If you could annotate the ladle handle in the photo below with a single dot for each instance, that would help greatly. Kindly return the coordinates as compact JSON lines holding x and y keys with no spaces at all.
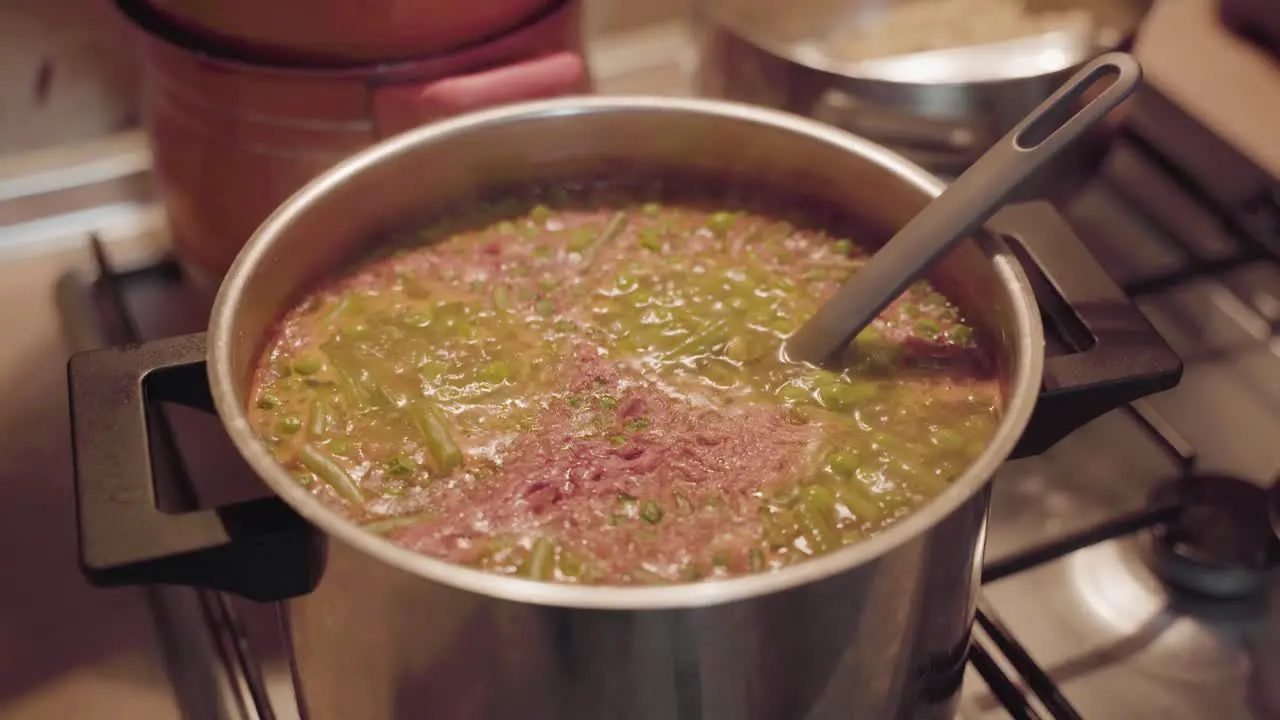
{"x":969,"y":201}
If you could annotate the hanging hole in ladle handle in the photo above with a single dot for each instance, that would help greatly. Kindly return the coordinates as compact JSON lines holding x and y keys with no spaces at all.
{"x":1061,"y":118}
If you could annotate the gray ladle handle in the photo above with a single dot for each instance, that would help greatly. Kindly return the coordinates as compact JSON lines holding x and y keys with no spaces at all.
{"x":969,"y":201}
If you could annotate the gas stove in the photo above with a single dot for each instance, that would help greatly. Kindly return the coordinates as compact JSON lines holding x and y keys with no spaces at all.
{"x":1129,"y":568}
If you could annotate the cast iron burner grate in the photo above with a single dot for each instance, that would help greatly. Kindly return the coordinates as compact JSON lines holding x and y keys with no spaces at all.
{"x":1207,"y":534}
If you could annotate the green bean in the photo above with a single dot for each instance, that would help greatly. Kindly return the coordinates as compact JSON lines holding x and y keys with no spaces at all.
{"x":755,"y":560}
{"x":429,"y":422}
{"x":541,"y":561}
{"x":818,"y":517}
{"x":399,"y":466}
{"x":612,"y":230}
{"x":501,"y":299}
{"x":846,"y":396}
{"x":317,"y":418}
{"x":382,"y":527}
{"x":313,"y":459}
{"x":347,"y":368}
{"x":339,"y":308}
{"x":702,"y":340}
{"x":854,"y":496}
{"x":682,"y":504}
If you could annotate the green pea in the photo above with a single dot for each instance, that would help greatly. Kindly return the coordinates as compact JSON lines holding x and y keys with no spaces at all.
{"x":755,"y":560}
{"x":795,"y":394}
{"x":506,"y":227}
{"x":742,"y":349}
{"x":651,"y":512}
{"x":495,"y":372}
{"x":307,"y":365}
{"x":582,"y":239}
{"x":721,"y":222}
{"x":844,"y":464}
{"x":268,"y":402}
{"x":651,"y":209}
{"x":960,"y":334}
{"x":339,"y":447}
{"x":720,"y":559}
{"x":927,"y":328}
{"x":843,"y":247}
{"x":607,"y":402}
{"x":540,"y":213}
{"x":288,"y":425}
{"x":650,"y":239}
{"x":545,"y":306}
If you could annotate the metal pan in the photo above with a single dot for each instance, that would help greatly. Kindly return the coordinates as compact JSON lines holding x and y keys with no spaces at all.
{"x":941,"y":109}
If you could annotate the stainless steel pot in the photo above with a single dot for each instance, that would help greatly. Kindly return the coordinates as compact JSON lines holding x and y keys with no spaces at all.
{"x":941,"y":115}
{"x":876,"y":630}
{"x":347,"y":31}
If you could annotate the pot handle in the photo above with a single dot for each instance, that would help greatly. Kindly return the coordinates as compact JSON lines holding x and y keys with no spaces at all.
{"x":397,"y":108}
{"x":259,"y":549}
{"x":1114,"y":355}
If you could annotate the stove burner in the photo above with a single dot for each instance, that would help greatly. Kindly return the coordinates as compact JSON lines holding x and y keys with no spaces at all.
{"x":1222,"y":543}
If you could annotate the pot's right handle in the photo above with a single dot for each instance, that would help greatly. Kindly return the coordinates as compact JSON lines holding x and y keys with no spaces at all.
{"x":1118,"y":356}
{"x":259,"y":549}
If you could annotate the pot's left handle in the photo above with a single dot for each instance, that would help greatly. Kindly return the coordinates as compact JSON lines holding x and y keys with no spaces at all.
{"x":259,"y":549}
{"x":399,"y":107}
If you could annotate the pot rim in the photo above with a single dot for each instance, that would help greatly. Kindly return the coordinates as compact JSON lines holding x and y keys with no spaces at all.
{"x":1025,"y":382}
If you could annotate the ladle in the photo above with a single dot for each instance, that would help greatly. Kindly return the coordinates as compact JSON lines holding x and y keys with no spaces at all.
{"x":967,"y":203}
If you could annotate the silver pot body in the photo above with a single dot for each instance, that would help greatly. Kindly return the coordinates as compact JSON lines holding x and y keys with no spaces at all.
{"x":759,"y":52}
{"x":877,"y":630}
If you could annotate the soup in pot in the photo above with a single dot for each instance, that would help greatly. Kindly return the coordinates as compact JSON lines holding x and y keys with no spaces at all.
{"x":582,"y":383}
